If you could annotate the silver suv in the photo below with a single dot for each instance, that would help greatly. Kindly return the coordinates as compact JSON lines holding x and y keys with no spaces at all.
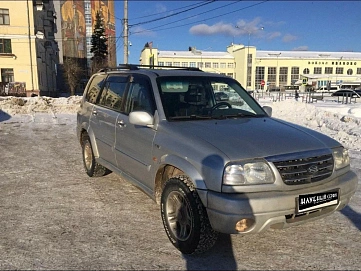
{"x":212,"y":166}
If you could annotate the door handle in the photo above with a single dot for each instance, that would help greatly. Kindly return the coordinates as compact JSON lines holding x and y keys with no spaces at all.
{"x":121,"y":123}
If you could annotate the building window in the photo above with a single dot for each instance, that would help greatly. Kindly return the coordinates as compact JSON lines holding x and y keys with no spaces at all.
{"x":230,"y":65}
{"x":207,"y":64}
{"x":87,"y":6}
{"x":5,"y":46}
{"x":295,"y":74}
{"x":339,"y":70}
{"x":200,"y":65}
{"x":249,"y":76}
{"x":7,"y":75}
{"x":230,"y":74}
{"x":306,"y":71}
{"x":160,"y":63}
{"x":192,"y":64}
{"x":184,"y":64}
{"x":328,"y":70}
{"x":4,"y":16}
{"x":168,"y":63}
{"x":349,"y":72}
{"x":259,"y":76}
{"x":271,"y":76}
{"x":215,"y":65}
{"x":88,"y":19}
{"x":177,"y":64}
{"x":317,"y":70}
{"x":223,"y":65}
{"x":358,"y":71}
{"x":89,"y":31}
{"x":283,"y":76}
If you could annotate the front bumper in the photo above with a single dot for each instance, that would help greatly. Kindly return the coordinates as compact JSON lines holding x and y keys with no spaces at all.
{"x":273,"y":209}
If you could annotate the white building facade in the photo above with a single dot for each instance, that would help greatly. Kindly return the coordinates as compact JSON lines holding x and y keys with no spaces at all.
{"x":266,"y":69}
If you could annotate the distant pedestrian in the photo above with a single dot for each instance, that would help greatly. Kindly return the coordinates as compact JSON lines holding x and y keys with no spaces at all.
{"x":296,"y":95}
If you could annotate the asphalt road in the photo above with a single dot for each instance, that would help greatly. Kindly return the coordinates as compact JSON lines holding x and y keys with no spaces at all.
{"x":52,"y":216}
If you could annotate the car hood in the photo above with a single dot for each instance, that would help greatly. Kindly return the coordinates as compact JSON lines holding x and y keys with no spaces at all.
{"x":252,"y":137}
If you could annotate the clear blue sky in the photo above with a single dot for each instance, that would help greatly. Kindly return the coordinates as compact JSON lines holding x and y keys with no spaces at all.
{"x":287,"y":25}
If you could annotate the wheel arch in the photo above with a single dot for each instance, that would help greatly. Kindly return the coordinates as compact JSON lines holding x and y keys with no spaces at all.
{"x":174,"y":166}
{"x":89,"y":133}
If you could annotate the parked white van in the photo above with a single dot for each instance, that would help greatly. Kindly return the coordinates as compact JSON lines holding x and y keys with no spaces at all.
{"x":325,"y":89}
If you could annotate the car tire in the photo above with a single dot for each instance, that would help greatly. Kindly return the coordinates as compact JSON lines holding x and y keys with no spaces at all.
{"x":185,"y":218}
{"x":92,"y":168}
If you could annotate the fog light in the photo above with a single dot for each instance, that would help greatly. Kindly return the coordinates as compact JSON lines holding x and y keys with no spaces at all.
{"x":244,"y":224}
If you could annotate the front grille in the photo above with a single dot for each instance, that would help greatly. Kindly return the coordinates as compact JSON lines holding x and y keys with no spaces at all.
{"x":305,"y":169}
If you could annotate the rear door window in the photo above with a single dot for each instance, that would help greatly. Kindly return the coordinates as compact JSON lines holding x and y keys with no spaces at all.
{"x":94,"y":89}
{"x":113,"y":93}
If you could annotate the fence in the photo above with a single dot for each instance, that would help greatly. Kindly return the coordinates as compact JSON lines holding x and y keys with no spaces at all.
{"x":308,"y":97}
{"x":13,"y":89}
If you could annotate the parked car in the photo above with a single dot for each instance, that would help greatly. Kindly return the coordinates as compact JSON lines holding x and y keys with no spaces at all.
{"x":212,"y":166}
{"x":347,"y":93}
{"x":274,"y":89}
{"x":221,"y":96}
{"x":327,"y":89}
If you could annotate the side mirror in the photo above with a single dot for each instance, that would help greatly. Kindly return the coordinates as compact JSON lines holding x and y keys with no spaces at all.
{"x":141,"y":118}
{"x":268,"y":110}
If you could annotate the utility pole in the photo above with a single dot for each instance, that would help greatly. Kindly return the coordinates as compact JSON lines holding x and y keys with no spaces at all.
{"x":125,"y":22}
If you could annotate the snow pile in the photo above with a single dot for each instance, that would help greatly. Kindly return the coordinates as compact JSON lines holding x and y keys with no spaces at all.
{"x":332,"y":119}
{"x":15,"y":105}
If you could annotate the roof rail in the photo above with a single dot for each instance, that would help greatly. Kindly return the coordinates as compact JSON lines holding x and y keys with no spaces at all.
{"x":137,"y":67}
{"x":170,"y":67}
{"x":120,"y":67}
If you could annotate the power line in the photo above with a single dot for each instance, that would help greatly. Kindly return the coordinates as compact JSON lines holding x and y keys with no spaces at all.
{"x":142,"y":17}
{"x":174,"y":14}
{"x":142,"y":31}
{"x":197,"y":14}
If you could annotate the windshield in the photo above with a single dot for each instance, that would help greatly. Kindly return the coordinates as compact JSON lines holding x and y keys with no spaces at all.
{"x":206,"y":97}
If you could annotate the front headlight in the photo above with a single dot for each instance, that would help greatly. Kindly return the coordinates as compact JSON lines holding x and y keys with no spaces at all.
{"x":248,"y":173}
{"x":341,"y":158}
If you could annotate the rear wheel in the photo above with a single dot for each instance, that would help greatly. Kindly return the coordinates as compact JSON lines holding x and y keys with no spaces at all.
{"x":92,"y":168}
{"x":184,"y":217}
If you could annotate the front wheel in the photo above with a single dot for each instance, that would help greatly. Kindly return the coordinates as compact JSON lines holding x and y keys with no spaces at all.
{"x":184,"y":217}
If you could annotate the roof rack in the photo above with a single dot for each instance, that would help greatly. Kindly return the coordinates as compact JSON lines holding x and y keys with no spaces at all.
{"x":137,"y":67}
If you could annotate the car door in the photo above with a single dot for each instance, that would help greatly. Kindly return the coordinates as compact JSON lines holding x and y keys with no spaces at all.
{"x":133,"y":144}
{"x":105,"y":114}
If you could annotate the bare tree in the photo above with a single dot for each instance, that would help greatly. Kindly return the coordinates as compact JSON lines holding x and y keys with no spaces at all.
{"x":98,"y":63}
{"x":73,"y":71}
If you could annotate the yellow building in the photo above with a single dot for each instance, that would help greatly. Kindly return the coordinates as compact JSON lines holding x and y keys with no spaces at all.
{"x":28,"y":53}
{"x":36,"y":35}
{"x":267,"y":69}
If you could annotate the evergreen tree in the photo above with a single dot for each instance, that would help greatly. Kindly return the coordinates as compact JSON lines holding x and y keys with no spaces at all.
{"x":99,"y":46}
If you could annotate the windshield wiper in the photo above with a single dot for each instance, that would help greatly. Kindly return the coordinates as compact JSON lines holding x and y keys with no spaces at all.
{"x":238,"y":115}
{"x":191,"y":117}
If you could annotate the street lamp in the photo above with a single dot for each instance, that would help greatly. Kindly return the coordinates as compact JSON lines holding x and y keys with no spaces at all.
{"x":249,"y":60}
{"x":277,"y":55}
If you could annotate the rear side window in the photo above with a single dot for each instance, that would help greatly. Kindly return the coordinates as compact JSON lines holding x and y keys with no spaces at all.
{"x":94,"y":89}
{"x":113,"y":92}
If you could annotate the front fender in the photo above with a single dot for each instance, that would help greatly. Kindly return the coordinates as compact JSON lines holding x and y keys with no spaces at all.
{"x":187,"y":168}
